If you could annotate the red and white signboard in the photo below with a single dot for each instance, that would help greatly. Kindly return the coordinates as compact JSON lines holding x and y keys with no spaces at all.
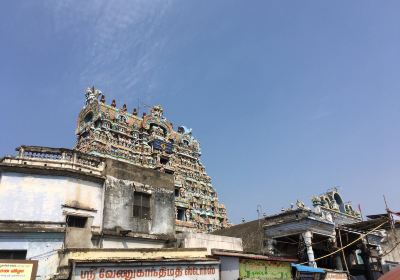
{"x":143,"y":271}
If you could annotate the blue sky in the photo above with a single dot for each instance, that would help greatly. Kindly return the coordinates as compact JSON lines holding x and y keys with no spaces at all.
{"x":287,"y":98}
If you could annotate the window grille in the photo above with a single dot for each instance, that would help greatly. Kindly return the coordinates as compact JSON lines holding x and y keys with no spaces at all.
{"x":141,"y":205}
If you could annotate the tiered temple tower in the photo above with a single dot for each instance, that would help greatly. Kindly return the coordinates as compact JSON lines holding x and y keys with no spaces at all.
{"x":151,"y":141}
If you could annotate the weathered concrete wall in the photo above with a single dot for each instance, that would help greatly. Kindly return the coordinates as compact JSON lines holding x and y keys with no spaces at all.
{"x":390,"y":246}
{"x":45,"y":198}
{"x":118,"y":207}
{"x":131,"y":243}
{"x":40,"y":246}
{"x":163,"y":216}
{"x":229,"y":268}
{"x":251,"y":233}
{"x":209,"y":241}
{"x":79,"y":237}
{"x":126,"y":171}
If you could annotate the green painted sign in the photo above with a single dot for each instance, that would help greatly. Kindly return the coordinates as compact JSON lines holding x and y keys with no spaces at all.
{"x":264,"y":270}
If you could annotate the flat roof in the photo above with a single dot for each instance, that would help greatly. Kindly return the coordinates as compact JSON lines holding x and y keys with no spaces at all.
{"x":250,"y":256}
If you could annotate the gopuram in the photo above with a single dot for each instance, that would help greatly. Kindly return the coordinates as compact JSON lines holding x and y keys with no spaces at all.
{"x":151,"y":141}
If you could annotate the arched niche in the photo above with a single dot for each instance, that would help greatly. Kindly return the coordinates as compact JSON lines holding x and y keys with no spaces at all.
{"x":339,"y":202}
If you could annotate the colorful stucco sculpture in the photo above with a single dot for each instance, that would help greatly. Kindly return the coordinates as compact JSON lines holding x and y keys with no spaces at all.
{"x":151,"y":141}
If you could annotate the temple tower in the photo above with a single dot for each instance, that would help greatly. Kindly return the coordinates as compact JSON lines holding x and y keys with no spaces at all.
{"x":151,"y":141}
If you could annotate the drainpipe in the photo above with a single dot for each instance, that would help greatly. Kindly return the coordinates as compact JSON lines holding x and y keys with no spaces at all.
{"x":307,"y":237}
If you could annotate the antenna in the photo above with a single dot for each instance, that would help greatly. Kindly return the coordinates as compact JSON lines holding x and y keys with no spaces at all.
{"x":259,"y":211}
{"x":390,"y":215}
{"x":145,"y":105}
{"x":142,"y":103}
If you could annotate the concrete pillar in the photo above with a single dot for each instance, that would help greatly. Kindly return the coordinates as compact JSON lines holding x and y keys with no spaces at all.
{"x":270,"y":248}
{"x":307,"y":237}
{"x":74,"y":158}
{"x":21,"y":152}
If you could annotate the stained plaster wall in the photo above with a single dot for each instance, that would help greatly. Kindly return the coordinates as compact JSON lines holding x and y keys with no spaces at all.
{"x":46,"y":198}
{"x":209,"y":241}
{"x":40,"y":246}
{"x":123,"y":180}
{"x":131,"y":243}
{"x":118,"y":208}
{"x":229,"y":268}
{"x":79,"y":237}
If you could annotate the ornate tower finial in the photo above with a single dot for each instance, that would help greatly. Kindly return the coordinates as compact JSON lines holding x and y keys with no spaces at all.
{"x":113,"y":103}
{"x":103,"y":99}
{"x":134,"y":112}
{"x":92,"y":94}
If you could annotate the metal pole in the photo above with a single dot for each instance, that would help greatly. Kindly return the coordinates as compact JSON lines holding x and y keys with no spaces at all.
{"x":344,"y":256}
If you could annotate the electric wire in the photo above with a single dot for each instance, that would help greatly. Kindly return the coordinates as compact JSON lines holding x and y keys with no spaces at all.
{"x":348,"y":245}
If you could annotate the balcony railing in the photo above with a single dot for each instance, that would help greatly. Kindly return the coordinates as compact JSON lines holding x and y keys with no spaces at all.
{"x":56,"y":158}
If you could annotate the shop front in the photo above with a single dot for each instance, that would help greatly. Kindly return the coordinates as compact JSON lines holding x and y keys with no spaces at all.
{"x":304,"y":272}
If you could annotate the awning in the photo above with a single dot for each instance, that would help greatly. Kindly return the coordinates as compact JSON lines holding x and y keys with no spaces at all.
{"x":305,"y":268}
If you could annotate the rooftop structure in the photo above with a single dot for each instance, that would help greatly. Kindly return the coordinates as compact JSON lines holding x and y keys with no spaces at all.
{"x":317,"y":236}
{"x":151,"y":141}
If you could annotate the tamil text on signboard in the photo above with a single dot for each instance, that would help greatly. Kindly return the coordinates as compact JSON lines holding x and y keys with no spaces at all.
{"x":147,"y":272}
{"x":268,"y":270}
{"x":18,"y":269}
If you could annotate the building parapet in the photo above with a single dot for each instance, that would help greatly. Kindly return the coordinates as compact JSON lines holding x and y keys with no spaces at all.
{"x":31,"y":226}
{"x":58,"y":158}
{"x":240,"y":254}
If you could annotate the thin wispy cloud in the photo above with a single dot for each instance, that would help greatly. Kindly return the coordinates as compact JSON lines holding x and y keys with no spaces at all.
{"x":122,"y":42}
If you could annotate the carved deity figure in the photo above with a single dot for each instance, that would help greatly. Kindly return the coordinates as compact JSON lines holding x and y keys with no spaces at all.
{"x":157,"y":112}
{"x":157,"y":131}
{"x":316,"y":201}
{"x":92,"y":94}
{"x":123,"y":109}
{"x":335,"y":206}
{"x":181,"y":192}
{"x":300,"y":204}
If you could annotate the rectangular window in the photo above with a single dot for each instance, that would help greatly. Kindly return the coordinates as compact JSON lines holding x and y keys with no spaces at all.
{"x":163,"y":160}
{"x":141,"y":205}
{"x":13,"y":254}
{"x":76,"y":221}
{"x":181,"y":214}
